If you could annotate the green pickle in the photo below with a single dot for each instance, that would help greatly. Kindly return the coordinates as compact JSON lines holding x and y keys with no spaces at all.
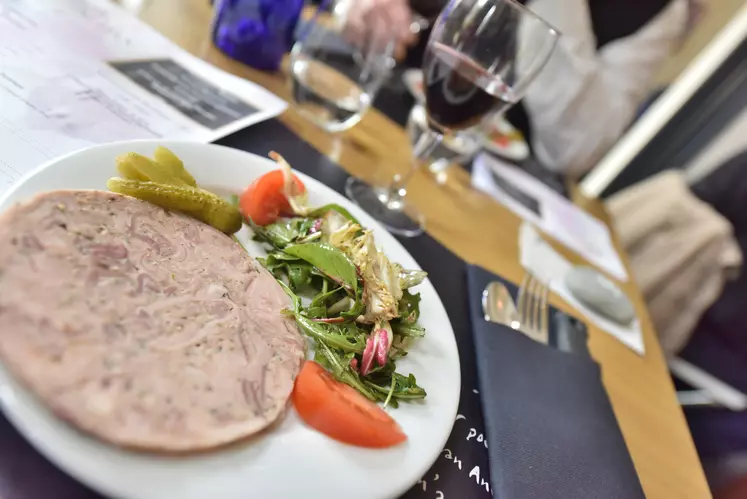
{"x":147,"y":170}
{"x":173,"y":165}
{"x":127,"y":170}
{"x":197,"y":203}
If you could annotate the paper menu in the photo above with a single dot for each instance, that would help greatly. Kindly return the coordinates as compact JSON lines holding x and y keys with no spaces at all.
{"x":74,"y":73}
{"x":556,"y":216}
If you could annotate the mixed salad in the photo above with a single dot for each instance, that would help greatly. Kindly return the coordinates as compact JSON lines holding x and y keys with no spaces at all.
{"x":355,"y":303}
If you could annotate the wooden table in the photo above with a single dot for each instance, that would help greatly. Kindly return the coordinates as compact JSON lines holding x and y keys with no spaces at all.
{"x":481,"y":231}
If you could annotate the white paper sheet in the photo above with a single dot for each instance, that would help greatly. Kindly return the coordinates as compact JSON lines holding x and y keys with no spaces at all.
{"x":538,"y":257}
{"x":74,"y":73}
{"x":556,"y":216}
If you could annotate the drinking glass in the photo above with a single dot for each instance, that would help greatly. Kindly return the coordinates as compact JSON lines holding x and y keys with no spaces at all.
{"x":480,"y":58}
{"x":459,"y":147}
{"x":335,"y":74}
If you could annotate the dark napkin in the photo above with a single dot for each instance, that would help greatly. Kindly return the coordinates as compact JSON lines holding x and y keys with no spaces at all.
{"x":550,"y":428}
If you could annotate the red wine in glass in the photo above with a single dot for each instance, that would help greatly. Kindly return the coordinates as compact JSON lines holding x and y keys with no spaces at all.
{"x":458,"y":91}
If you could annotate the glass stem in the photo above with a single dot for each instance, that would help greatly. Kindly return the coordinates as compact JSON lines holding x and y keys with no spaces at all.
{"x":426,"y":144}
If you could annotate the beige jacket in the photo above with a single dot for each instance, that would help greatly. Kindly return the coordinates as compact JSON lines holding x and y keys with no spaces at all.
{"x":681,"y":252}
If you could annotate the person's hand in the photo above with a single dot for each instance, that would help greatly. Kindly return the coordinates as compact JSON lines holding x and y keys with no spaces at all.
{"x":380,"y":22}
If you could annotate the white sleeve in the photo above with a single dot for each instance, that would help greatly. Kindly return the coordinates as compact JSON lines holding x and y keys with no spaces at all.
{"x":583,"y":100}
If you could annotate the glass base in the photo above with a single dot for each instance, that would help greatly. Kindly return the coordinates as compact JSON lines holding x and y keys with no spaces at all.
{"x":397,"y":217}
{"x":321,"y":118}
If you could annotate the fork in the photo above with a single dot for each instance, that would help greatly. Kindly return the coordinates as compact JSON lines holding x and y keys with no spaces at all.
{"x":533,"y":309}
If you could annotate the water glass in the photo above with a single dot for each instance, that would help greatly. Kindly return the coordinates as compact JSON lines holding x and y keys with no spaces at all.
{"x":256,"y":32}
{"x":335,"y":74}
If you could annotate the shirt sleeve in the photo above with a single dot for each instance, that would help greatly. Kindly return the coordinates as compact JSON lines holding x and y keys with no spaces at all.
{"x":584,"y":99}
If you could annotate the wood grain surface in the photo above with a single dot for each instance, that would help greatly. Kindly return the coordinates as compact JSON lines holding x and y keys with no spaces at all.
{"x":481,"y":231}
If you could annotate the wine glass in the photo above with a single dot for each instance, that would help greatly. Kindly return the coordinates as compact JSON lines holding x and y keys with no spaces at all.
{"x":480,"y":58}
{"x":460,"y":147}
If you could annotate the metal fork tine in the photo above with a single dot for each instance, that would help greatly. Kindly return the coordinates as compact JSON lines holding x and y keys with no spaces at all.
{"x":527,"y":320}
{"x":527,"y":324}
{"x":536,"y":304}
{"x":544,"y":314}
{"x":522,"y":302}
{"x":533,"y":308}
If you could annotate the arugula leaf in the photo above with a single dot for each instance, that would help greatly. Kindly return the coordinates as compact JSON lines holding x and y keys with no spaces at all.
{"x":398,"y":387}
{"x":339,"y":366}
{"x":310,"y":238}
{"x":319,"y":212}
{"x":357,"y":309}
{"x":328,"y":259}
{"x":316,"y":312}
{"x":295,"y":300}
{"x":353,"y":328}
{"x":283,"y":232}
{"x":409,"y":308}
{"x":282,"y":265}
{"x":396,"y":354}
{"x":322,"y":297}
{"x":280,"y":234}
{"x":272,"y":262}
{"x":299,"y":275}
{"x":407,"y":387}
{"x":412,"y":330}
{"x":332,"y":336}
{"x":280,"y":255}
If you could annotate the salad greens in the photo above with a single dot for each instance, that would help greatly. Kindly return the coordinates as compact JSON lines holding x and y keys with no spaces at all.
{"x":328,"y":260}
{"x":348,"y":297}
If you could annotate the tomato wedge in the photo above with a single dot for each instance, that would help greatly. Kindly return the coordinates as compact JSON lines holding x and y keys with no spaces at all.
{"x":264,"y":201}
{"x":340,"y":412}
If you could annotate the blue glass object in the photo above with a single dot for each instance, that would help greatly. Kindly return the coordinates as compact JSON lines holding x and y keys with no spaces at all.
{"x":256,"y":32}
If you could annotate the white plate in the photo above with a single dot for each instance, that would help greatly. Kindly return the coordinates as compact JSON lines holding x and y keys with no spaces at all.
{"x":290,"y":460}
{"x":413,"y":79}
{"x":517,"y":148}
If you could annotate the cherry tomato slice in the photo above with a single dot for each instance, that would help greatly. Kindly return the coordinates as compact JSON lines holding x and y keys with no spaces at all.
{"x":264,"y":201}
{"x":340,"y":412}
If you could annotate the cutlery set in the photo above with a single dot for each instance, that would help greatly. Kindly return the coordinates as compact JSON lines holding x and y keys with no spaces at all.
{"x":530,"y":315}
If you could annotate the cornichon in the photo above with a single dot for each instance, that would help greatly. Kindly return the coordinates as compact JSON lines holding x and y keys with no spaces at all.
{"x":173,"y":165}
{"x":134,"y":166}
{"x":197,"y":203}
{"x":127,"y":169}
